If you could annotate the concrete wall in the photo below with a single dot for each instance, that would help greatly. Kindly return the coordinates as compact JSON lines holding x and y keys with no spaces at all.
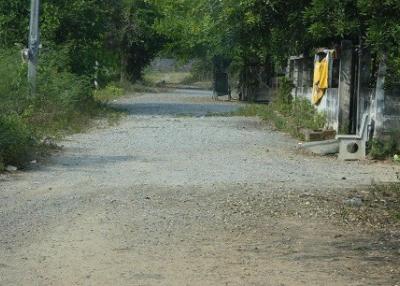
{"x":301,"y":73}
{"x":350,"y":96}
{"x":330,"y":105}
{"x":363,"y":88}
{"x":392,"y":101}
{"x":382,"y":104}
{"x":391,"y":118}
{"x":346,"y":85}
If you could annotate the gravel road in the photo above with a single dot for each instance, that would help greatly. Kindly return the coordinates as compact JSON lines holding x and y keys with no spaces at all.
{"x":173,"y":196}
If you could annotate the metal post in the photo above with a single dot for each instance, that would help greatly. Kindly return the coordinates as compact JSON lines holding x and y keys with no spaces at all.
{"x":34,"y":42}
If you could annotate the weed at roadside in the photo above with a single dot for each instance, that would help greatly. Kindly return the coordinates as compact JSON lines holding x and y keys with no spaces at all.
{"x":386,"y":147}
{"x":63,"y":104}
{"x":287,"y":114}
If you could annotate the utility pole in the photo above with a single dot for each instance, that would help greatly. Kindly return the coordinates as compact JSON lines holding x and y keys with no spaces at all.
{"x":34,"y":43}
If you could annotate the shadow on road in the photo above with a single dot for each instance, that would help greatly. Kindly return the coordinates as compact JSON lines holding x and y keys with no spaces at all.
{"x":175,"y":108}
{"x":176,"y":103}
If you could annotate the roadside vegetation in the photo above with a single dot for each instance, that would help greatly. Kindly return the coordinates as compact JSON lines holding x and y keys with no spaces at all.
{"x":252,"y":39}
{"x":292,"y":115}
{"x":255,"y":35}
{"x":385,"y":148}
{"x":91,"y":51}
{"x":285,"y":113}
{"x":63,"y":103}
{"x":108,"y":44}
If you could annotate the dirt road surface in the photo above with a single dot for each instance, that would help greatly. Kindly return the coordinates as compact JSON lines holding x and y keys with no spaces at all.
{"x":172,"y":196}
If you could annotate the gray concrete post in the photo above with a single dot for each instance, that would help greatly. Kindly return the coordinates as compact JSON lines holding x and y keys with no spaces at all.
{"x":363,"y":91}
{"x":306,"y":73}
{"x":345,"y":86}
{"x":296,"y":77}
{"x":34,"y":43}
{"x":379,"y":106}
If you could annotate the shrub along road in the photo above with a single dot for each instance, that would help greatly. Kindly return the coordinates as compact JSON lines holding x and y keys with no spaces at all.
{"x":172,"y":196}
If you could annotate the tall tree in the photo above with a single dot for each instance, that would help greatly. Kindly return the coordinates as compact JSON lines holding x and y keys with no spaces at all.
{"x":84,"y":32}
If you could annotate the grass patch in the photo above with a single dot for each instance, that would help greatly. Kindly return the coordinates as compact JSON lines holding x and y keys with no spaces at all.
{"x":252,"y":109}
{"x":287,"y":114}
{"x":109,"y":93}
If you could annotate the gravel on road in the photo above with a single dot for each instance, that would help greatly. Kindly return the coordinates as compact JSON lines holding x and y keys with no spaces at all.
{"x":174,"y":196}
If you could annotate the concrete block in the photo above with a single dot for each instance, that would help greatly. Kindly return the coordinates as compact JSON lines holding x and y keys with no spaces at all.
{"x":354,"y":147}
{"x":322,"y":148}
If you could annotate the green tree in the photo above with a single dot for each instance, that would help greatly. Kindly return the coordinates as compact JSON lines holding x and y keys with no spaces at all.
{"x":14,"y":21}
{"x":138,"y":42}
{"x":88,"y":31}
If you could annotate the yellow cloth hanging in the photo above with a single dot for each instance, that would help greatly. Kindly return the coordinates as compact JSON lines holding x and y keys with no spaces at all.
{"x":321,"y":71}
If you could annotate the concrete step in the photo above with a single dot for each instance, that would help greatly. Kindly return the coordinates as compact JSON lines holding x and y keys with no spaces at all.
{"x":322,"y":148}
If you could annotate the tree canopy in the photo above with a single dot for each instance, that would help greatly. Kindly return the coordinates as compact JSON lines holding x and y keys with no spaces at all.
{"x":88,"y":31}
{"x":125,"y":35}
{"x":271,"y":30}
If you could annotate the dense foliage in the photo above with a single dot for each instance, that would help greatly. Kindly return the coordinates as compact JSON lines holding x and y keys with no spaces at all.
{"x":118,"y":34}
{"x":124,"y":35}
{"x":268,"y":31}
{"x":82,"y":40}
{"x":63,"y":103}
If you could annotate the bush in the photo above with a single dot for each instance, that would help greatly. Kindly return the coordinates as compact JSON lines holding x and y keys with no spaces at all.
{"x":305,"y":115}
{"x":15,"y":136}
{"x":283,"y":99}
{"x":16,"y":141}
{"x":108,"y":93}
{"x":63,"y":103}
{"x":13,"y":83}
{"x":294,"y":114}
{"x":381,"y":149}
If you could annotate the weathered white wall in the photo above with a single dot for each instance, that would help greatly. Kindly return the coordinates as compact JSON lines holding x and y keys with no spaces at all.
{"x":391,"y":118}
